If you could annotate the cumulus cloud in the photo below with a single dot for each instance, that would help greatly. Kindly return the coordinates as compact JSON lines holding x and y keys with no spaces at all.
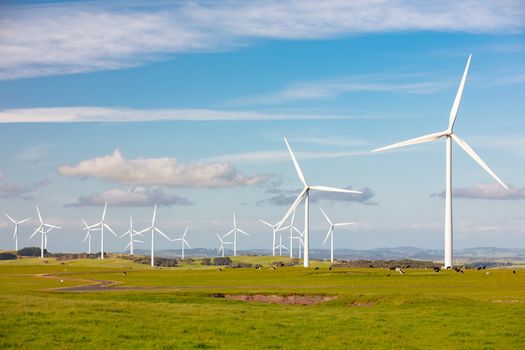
{"x":67,"y":38}
{"x":486,"y":191}
{"x":286,"y":197}
{"x":132,"y":197}
{"x":164,"y":171}
{"x":15,"y":190}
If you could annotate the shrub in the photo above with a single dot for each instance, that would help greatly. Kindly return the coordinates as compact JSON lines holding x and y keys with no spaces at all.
{"x":7,"y":256}
{"x":222,"y":261}
{"x":31,"y":251}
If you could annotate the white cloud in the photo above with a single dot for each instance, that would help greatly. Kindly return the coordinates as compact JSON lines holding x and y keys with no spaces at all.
{"x":321,"y":89}
{"x":16,"y":190}
{"x":132,"y":197}
{"x":104,"y":114}
{"x":160,"y":171}
{"x":487,"y":191}
{"x":70,"y":38}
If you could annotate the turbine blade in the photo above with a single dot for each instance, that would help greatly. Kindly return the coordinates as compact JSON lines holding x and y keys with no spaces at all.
{"x":87,"y":235}
{"x":128,"y":245}
{"x":185,"y":232}
{"x":457,"y":100}
{"x":10,"y":218}
{"x":34,"y":233}
{"x":266,"y":223}
{"x":344,"y":224}
{"x":326,"y":216}
{"x":52,"y":226}
{"x":292,"y":208}
{"x":241,"y":231}
{"x":296,"y":164}
{"x":474,"y":156}
{"x":104,"y":212}
{"x":234,"y":220}
{"x":162,"y":233}
{"x":220,"y":238}
{"x":229,"y":233}
{"x":85,"y":223}
{"x":39,"y":216}
{"x":136,"y":240}
{"x":145,"y":230}
{"x":110,"y":230}
{"x":186,"y":242}
{"x":333,"y":189}
{"x":25,"y":220}
{"x":154,"y":215}
{"x":414,"y":141}
{"x":330,"y":231}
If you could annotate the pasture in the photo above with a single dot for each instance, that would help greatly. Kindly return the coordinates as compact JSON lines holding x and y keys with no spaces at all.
{"x":173,"y":308}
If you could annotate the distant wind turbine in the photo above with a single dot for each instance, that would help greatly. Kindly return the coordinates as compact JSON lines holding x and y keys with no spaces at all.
{"x":222,"y":246}
{"x":43,"y":229}
{"x":88,"y":234}
{"x":131,"y":232}
{"x":183,"y":242}
{"x":100,"y":226}
{"x":449,"y":136}
{"x":234,"y":230}
{"x":154,"y":229}
{"x":305,"y":195}
{"x":15,"y":233}
{"x":274,"y":233}
{"x":331,"y":233}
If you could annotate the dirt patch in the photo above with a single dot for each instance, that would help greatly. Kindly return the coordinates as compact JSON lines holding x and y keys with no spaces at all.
{"x":278,"y":299}
{"x":362,"y":304}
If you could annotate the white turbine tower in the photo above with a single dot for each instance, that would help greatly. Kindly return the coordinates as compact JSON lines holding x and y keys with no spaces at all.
{"x":449,"y":136}
{"x":183,"y":242}
{"x":43,"y":229}
{"x":331,"y":233}
{"x":100,"y":226}
{"x":234,"y":230}
{"x":88,"y":234}
{"x":15,"y":233}
{"x":304,"y":195}
{"x":153,"y":228}
{"x":131,"y":232}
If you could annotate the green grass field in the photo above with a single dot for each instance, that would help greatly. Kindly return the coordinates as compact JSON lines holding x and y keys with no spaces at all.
{"x":171,"y":308}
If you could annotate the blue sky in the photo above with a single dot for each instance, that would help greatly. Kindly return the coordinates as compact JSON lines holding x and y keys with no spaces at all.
{"x":187,"y":105}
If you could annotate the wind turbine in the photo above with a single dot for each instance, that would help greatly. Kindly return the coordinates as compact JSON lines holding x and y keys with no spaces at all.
{"x":234,"y":230}
{"x":132,"y":233}
{"x":223,"y":243}
{"x":281,"y":246}
{"x":304,"y":195}
{"x":15,"y":233}
{"x":88,"y":234}
{"x":100,"y":226}
{"x":274,"y":232}
{"x":183,"y":242}
{"x":153,"y":228}
{"x":449,"y":136}
{"x":331,"y":233}
{"x":43,"y":229}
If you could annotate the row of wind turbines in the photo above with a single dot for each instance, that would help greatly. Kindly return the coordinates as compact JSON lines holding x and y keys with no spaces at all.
{"x":303,"y":237}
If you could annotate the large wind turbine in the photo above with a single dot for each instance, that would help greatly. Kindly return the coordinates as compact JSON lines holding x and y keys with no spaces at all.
{"x":331,"y":233}
{"x":449,"y":136}
{"x":234,"y":230}
{"x":131,"y":232}
{"x":183,"y":242}
{"x":101,"y":225}
{"x":15,"y":233}
{"x":304,"y":195}
{"x":43,"y":229}
{"x":153,"y":228}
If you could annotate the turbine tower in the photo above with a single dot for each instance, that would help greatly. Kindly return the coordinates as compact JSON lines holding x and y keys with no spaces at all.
{"x":449,"y":137}
{"x":234,"y":230}
{"x":15,"y":233}
{"x":131,"y":232}
{"x":100,"y":226}
{"x":183,"y":242}
{"x":305,"y":195}
{"x":331,"y":233}
{"x":43,"y":229}
{"x":153,"y":228}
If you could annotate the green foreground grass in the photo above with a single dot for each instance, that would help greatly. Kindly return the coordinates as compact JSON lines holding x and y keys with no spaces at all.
{"x":420,"y":309}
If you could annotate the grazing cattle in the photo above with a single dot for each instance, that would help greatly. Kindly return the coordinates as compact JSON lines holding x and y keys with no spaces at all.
{"x":483,"y":267}
{"x":479,"y":268}
{"x":388,"y":275}
{"x":514,"y":272}
{"x":124,"y":273}
{"x":391,"y":268}
{"x":398,"y":269}
{"x":330,"y":268}
{"x":258,"y":267}
{"x":371,"y":266}
{"x":272,"y":267}
{"x":317,"y":267}
{"x":436,"y":269}
{"x":487,"y":273}
{"x":219,"y":269}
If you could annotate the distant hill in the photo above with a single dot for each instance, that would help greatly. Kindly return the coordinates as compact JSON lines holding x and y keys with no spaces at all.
{"x":470,"y":254}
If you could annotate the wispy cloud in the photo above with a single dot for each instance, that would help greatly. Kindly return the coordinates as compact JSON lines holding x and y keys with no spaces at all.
{"x":103,"y":114}
{"x":131,"y":197}
{"x":68,"y":38}
{"x":322,"y":89}
{"x":287,"y":197}
{"x":164,"y":171}
{"x":35,"y":153}
{"x":492,"y":191}
{"x":281,"y":156}
{"x":9,"y":190}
